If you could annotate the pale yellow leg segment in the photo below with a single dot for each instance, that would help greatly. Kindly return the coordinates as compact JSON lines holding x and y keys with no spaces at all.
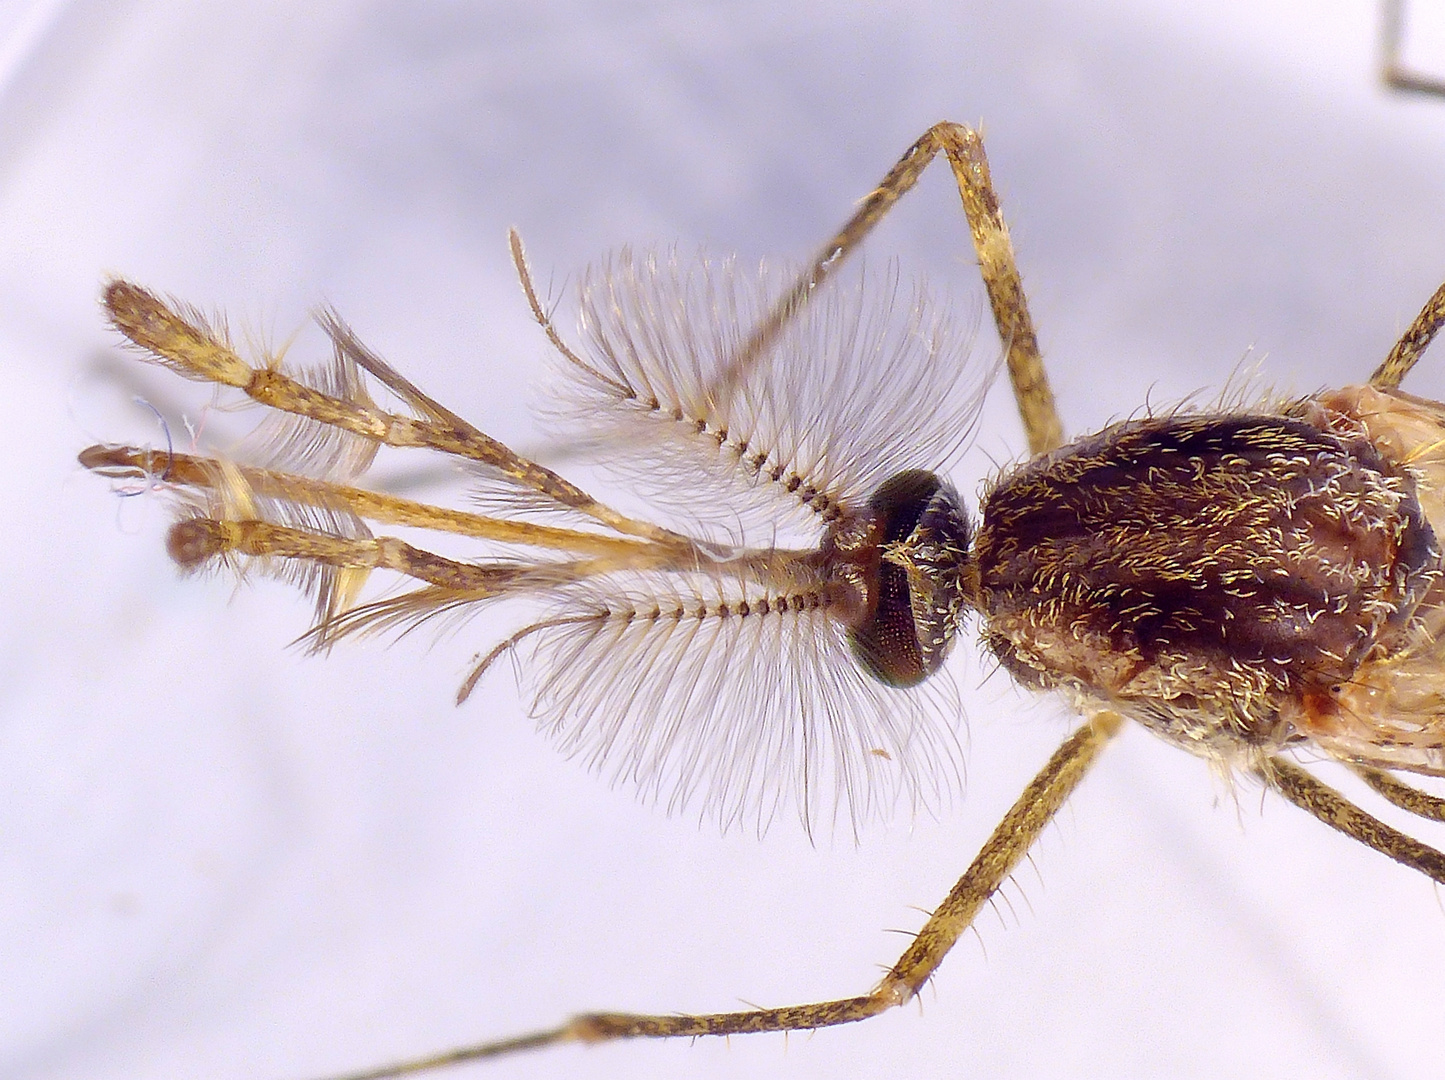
{"x":1000,"y":856}
{"x":1412,"y":344}
{"x":1405,"y":796}
{"x":1336,"y":811}
{"x":964,"y":149}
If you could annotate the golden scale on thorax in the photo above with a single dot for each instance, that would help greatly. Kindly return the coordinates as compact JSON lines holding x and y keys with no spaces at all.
{"x":1239,"y":582}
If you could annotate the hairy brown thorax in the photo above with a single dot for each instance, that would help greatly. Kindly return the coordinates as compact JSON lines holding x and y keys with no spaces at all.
{"x":1218,"y":578}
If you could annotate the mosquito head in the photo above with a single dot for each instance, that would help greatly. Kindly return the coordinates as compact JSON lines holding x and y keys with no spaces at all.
{"x":919,"y":578}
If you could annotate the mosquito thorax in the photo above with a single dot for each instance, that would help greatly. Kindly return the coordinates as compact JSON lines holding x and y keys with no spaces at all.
{"x":908,"y":555}
{"x":1219,"y":578}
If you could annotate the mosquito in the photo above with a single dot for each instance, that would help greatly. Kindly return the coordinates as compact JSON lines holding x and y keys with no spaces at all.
{"x":1245,"y":582}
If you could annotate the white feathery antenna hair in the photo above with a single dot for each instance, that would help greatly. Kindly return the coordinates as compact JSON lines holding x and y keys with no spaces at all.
{"x":675,"y":682}
{"x":869,"y":378}
{"x":705,"y":660}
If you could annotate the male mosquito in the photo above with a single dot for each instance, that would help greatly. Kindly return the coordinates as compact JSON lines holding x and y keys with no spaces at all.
{"x":1244,"y":582}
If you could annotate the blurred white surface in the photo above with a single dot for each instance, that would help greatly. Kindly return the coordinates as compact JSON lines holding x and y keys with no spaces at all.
{"x":221,"y":858}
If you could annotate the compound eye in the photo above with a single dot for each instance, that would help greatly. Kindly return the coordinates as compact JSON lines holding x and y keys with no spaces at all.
{"x":921,"y":587}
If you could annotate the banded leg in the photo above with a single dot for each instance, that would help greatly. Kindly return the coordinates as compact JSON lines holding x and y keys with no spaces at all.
{"x":1000,"y":856}
{"x":1412,"y":344}
{"x":1405,"y":796}
{"x":1336,"y":811}
{"x":964,"y":149}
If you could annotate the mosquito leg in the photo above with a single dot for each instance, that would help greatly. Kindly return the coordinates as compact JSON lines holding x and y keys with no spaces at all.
{"x":1336,"y":811}
{"x":188,"y":348}
{"x":1000,"y":856}
{"x":1393,"y":73}
{"x":1000,"y":271}
{"x":1403,"y":795}
{"x":1412,"y":343}
{"x":964,"y":149}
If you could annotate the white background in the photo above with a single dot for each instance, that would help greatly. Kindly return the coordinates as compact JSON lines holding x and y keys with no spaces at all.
{"x":222,"y":858}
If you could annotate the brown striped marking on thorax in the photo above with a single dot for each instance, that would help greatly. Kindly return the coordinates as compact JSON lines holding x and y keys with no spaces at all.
{"x":1209,"y":575}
